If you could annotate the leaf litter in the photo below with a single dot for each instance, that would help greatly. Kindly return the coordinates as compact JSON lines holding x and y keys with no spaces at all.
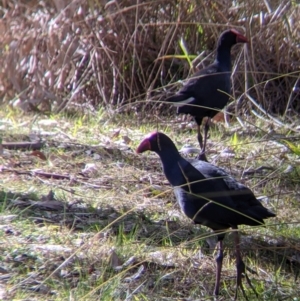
{"x":103,"y":186}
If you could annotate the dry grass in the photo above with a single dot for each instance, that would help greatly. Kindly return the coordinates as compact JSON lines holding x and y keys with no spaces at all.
{"x":113,"y":231}
{"x":56,"y":54}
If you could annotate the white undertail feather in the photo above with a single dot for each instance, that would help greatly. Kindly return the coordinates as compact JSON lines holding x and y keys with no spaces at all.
{"x":183,"y":102}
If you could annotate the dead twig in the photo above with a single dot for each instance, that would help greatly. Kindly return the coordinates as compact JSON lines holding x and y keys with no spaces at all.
{"x":23,"y":145}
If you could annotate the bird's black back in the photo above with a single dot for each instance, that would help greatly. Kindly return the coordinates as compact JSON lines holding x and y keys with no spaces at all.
{"x":229,"y":203}
{"x":207,"y":91}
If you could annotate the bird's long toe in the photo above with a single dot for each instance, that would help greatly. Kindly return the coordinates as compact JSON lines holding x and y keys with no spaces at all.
{"x":241,"y":270}
{"x":219,"y":261}
{"x":202,"y":156}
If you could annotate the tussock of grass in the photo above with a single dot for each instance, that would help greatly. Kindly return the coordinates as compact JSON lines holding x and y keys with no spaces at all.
{"x":114,"y":231}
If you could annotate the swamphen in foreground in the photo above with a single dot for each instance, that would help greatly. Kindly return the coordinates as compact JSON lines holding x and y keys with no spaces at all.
{"x":209,"y":196}
{"x":207,"y":91}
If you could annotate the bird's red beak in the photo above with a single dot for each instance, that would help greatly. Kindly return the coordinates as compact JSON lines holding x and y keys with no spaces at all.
{"x":241,"y":39}
{"x":145,"y":145}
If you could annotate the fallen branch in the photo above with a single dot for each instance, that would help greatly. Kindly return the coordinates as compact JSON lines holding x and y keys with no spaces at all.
{"x":41,"y":174}
{"x":26,"y":145}
{"x":257,"y":170}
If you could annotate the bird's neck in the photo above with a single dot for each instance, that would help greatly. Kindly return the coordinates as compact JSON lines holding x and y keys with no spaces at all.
{"x":171,"y":167}
{"x":223,"y":58}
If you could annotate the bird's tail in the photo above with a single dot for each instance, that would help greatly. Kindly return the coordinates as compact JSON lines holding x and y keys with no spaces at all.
{"x":179,"y":99}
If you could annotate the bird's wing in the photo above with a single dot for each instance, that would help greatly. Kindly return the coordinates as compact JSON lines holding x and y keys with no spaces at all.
{"x":204,"y":210}
{"x":211,"y":171}
{"x":232,"y":194}
{"x":210,"y":89}
{"x":201,"y":182}
{"x":199,"y":79}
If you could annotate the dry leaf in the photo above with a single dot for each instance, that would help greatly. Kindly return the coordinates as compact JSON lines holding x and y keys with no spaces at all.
{"x":114,"y":260}
{"x":219,"y":117}
{"x":116,"y":134}
{"x":126,"y":139}
{"x":39,"y":154}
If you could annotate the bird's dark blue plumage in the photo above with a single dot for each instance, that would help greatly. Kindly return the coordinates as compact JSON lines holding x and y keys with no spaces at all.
{"x":208,"y":195}
{"x":208,"y":91}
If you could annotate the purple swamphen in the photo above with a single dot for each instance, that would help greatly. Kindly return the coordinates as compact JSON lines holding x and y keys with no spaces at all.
{"x":207,"y":91}
{"x":209,"y":196}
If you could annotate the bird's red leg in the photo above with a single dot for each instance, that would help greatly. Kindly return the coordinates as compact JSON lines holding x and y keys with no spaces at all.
{"x":201,"y":156}
{"x":199,"y":136}
{"x":219,"y":261}
{"x":206,"y":128}
{"x":240,"y":267}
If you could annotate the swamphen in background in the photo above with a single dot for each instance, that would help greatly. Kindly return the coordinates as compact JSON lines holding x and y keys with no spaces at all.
{"x":208,"y":196}
{"x":207,"y":91}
